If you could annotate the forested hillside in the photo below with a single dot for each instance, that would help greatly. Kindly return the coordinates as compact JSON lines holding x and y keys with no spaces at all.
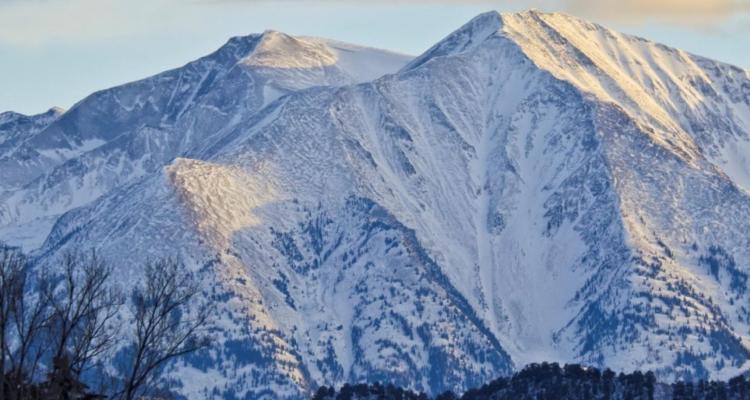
{"x":550,"y":381}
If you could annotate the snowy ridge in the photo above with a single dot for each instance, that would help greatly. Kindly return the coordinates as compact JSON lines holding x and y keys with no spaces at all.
{"x":16,"y":128}
{"x":209,"y":192}
{"x":120,"y":134}
{"x":533,"y":187}
{"x":665,"y":88}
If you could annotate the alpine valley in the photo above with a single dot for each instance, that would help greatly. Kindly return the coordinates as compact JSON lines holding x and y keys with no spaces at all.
{"x":534,"y":187}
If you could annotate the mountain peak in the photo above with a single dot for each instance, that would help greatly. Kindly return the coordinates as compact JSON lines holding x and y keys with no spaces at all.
{"x":614,"y":67}
{"x":632,"y":72}
{"x":289,"y":54}
{"x":279,"y":50}
{"x":493,"y":23}
{"x":9,"y":115}
{"x":467,"y":37}
{"x":533,"y":19}
{"x":53,"y":112}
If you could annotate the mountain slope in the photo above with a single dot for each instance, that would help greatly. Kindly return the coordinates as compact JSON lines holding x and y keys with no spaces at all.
{"x":533,"y":187}
{"x":15,"y":129}
{"x":122,"y":133}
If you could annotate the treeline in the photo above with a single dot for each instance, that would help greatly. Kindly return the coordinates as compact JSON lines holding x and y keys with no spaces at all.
{"x":550,"y":381}
{"x":70,"y":332}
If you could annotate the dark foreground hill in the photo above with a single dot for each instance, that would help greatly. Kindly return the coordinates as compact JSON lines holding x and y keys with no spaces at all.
{"x":550,"y":381}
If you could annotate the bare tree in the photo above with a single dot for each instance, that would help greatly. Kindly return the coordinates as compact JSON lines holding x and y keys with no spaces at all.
{"x":84,"y":304}
{"x":61,"y":323}
{"x":12,"y":276}
{"x":168,"y":322}
{"x":30,"y":315}
{"x":23,"y":316}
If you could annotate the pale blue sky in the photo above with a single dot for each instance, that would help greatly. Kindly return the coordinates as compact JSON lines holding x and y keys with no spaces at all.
{"x":55,"y":52}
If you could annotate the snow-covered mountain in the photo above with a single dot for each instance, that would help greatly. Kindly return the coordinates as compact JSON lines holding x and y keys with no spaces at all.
{"x":120,"y":134}
{"x":533,"y":187}
{"x":20,"y":161}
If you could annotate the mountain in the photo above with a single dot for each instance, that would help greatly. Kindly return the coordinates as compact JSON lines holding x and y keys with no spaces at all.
{"x":534,"y":187}
{"x":120,"y":134}
{"x":18,"y":160}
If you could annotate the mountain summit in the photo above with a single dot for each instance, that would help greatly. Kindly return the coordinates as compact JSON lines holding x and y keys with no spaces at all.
{"x":533,"y":187}
{"x":120,"y":134}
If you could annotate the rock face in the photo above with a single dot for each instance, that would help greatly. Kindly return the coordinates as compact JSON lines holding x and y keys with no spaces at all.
{"x":534,"y":187}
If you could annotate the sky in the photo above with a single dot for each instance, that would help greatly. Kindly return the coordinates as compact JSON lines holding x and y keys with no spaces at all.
{"x":56,"y":52}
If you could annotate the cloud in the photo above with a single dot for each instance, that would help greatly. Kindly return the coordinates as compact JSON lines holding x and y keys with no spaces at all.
{"x":679,"y":11}
{"x":676,"y":10}
{"x":35,"y":23}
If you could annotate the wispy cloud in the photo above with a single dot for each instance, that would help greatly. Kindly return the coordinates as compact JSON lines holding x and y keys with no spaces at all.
{"x":674,"y":11}
{"x":701,"y":12}
{"x":34,"y":23}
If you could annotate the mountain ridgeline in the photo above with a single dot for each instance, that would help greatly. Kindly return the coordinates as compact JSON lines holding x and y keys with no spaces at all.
{"x":532,"y":188}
